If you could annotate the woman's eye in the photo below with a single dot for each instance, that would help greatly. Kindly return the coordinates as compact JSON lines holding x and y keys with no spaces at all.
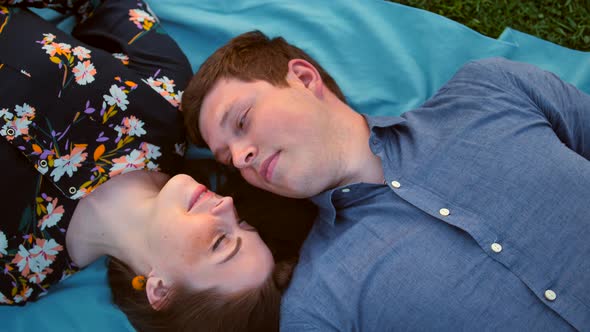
{"x":218,"y":241}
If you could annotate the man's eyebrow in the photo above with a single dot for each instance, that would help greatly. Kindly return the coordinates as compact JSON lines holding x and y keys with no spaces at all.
{"x":234,"y":252}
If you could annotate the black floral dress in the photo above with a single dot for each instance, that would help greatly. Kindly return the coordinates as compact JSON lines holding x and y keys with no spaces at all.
{"x":76,"y":110}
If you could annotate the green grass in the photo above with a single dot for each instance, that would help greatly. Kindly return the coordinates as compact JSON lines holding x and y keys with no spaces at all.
{"x":566,"y":23}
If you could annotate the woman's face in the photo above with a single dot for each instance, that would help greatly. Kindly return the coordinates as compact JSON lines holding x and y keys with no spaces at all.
{"x":200,"y":241}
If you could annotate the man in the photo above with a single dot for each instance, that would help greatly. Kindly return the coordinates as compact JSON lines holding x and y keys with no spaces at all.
{"x":470,"y":212}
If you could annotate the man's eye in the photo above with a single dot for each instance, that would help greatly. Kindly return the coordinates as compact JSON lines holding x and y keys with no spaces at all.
{"x":242,"y":119}
{"x":218,"y":242}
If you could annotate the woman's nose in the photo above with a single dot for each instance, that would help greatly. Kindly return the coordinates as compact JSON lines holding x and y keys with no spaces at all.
{"x":224,"y":205}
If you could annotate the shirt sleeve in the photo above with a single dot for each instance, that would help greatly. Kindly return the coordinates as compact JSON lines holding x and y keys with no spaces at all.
{"x":82,"y":113}
{"x":131,"y":31}
{"x":299,"y":320}
{"x":81,"y":8}
{"x":566,"y":108}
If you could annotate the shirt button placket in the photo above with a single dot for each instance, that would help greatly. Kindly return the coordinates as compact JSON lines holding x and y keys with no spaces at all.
{"x":550,"y":295}
{"x":496,"y":247}
{"x":444,"y":212}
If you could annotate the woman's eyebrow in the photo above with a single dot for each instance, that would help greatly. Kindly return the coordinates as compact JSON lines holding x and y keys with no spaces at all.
{"x":233,"y":252}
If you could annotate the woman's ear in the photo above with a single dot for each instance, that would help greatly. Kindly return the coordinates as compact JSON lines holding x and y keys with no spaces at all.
{"x":157,"y":291}
{"x":304,"y":72}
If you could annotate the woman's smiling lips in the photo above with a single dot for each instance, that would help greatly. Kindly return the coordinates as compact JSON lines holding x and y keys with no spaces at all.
{"x":268,"y":166}
{"x":197,"y":194}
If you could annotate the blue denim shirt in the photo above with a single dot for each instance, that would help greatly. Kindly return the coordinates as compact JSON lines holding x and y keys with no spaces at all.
{"x":483,"y":223}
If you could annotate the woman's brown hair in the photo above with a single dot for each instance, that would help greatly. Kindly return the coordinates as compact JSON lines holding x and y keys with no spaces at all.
{"x":283,"y":223}
{"x":206,"y":310}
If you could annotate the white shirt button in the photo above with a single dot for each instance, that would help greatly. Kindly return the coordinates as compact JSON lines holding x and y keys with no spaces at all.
{"x":345,"y":190}
{"x":73,"y":190}
{"x":396,"y":184}
{"x":550,"y":295}
{"x":496,"y":247}
{"x":444,"y":212}
{"x":10,"y":132}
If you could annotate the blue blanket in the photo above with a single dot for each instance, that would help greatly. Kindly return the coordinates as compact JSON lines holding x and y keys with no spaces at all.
{"x":386,"y":57}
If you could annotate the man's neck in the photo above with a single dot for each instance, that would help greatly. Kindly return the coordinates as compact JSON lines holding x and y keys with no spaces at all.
{"x":362,"y":164}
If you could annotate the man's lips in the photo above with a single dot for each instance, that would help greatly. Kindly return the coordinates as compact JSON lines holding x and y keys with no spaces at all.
{"x":268,"y":166}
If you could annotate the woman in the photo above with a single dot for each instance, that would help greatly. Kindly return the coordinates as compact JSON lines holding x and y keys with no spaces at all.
{"x":78,"y":111}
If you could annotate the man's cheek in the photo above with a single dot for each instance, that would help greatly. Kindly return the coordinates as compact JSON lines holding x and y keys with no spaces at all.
{"x":252,"y":178}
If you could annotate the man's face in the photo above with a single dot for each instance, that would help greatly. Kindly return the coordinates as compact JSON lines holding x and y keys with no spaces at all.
{"x":280,"y":138}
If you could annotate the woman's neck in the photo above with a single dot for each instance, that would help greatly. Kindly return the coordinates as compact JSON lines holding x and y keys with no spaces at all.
{"x":103,"y":223}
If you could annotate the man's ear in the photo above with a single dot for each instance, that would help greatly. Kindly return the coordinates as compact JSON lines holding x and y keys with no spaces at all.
{"x":304,"y":72}
{"x":156,"y":291}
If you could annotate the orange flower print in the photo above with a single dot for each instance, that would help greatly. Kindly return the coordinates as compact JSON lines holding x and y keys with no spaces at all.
{"x":54,"y":49}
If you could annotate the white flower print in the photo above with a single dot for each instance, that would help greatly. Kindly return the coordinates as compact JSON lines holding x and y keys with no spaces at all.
{"x":180,"y":148}
{"x":138,"y":15}
{"x":20,"y":126}
{"x":54,"y":214}
{"x":25,"y":111}
{"x":37,"y":278}
{"x":48,"y":37}
{"x":131,"y":162}
{"x":25,"y":262}
{"x":135,"y":126}
{"x":19,"y":298}
{"x":167,"y":84}
{"x":6,"y":114}
{"x":156,"y":85}
{"x":81,"y":52}
{"x":3,"y":244}
{"x":178,"y":99}
{"x":153,"y":167}
{"x":68,"y":163}
{"x":151,"y":151}
{"x":84,"y":72}
{"x":117,"y":97}
{"x":80,"y":193}
{"x":122,"y":57}
{"x":3,"y":299}
{"x":45,"y":252}
{"x":59,"y":48}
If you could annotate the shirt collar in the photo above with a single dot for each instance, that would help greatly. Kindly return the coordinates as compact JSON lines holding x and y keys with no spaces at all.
{"x":324,"y":201}
{"x":382,"y":121}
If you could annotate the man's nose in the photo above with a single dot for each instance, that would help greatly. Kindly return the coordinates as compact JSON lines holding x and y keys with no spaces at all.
{"x":244,"y":156}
